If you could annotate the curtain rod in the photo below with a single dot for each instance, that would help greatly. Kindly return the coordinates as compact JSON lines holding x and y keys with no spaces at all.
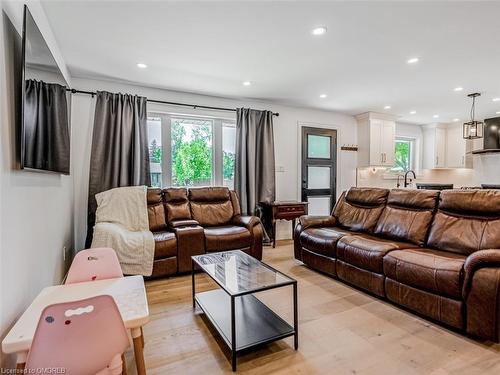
{"x":194,"y":106}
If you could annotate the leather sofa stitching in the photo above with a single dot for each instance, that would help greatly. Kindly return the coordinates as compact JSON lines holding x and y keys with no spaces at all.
{"x":410,"y":226}
{"x":479,"y":245}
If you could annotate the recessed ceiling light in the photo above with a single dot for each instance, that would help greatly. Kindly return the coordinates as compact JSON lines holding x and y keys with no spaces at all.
{"x":435,"y":116}
{"x":320,"y":30}
{"x":498,"y":112}
{"x":247,"y":83}
{"x":458,"y":88}
{"x":413,"y":60}
{"x":413,"y":112}
{"x":496,"y":99}
{"x":142,"y":65}
{"x":387,"y":107}
{"x":456,"y":120}
{"x":323,"y":96}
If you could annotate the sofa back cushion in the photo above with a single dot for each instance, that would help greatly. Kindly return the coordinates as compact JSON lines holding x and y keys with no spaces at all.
{"x":211,"y":206}
{"x":407,"y":215}
{"x":358,"y":209}
{"x":176,"y":204}
{"x":466,"y":221}
{"x":156,"y":212}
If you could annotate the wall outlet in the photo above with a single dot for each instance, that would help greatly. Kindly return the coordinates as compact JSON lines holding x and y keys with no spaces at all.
{"x":280,"y":168}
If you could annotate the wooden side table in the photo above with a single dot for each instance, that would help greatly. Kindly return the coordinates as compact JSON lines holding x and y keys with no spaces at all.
{"x":284,"y":210}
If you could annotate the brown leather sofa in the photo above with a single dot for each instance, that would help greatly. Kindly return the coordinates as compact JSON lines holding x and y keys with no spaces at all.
{"x":198,"y":221}
{"x":436,"y":253}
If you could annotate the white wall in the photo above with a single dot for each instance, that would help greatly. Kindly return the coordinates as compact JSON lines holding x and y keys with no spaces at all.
{"x":36,"y":216}
{"x":486,"y":169}
{"x":286,"y":136}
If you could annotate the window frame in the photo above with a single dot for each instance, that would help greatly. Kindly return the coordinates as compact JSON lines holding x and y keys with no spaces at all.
{"x":412,"y":161}
{"x":166,"y":146}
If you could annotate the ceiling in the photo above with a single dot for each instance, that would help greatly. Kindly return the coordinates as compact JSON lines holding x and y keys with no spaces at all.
{"x":361,"y":64}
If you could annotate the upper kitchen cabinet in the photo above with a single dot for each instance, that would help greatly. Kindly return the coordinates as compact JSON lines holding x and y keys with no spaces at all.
{"x":456,"y":148}
{"x":444,"y":147}
{"x":434,"y":146}
{"x":376,"y":135}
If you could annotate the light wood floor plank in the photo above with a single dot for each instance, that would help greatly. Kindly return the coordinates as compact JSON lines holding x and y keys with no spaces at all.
{"x":342,"y":331}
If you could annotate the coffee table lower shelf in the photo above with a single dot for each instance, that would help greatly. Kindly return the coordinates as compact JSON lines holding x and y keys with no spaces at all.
{"x":255,"y":323}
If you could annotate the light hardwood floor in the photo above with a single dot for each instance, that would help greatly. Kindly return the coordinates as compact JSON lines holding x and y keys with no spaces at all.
{"x":342,"y":331}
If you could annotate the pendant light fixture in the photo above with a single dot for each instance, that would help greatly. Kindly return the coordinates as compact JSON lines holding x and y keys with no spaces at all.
{"x":473,"y":129}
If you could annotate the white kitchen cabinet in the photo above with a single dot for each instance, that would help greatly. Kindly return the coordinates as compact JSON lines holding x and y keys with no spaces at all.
{"x":434,"y":146}
{"x":376,"y":136}
{"x":456,"y":148}
{"x":444,"y":147}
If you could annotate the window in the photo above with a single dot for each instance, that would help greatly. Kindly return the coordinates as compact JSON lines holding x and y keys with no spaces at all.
{"x":155,"y":156}
{"x":403,"y":156}
{"x":191,"y":151}
{"x":228,"y":154}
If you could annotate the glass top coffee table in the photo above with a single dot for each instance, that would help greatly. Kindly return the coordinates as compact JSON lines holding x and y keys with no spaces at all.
{"x":242,"y":320}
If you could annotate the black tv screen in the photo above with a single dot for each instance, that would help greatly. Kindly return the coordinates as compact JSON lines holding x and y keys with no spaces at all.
{"x":45,"y":129}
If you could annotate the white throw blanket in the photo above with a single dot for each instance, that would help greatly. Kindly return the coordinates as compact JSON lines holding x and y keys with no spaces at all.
{"x":122,"y":224}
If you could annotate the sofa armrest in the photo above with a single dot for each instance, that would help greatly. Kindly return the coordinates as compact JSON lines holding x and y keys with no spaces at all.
{"x":254,"y":226}
{"x":246,"y":221}
{"x":317,"y":221}
{"x":481,"y":293}
{"x":183,"y":223}
{"x":476,"y":260}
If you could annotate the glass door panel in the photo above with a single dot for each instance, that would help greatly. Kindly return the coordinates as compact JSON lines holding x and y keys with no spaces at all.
{"x":318,"y":177}
{"x":319,"y":206}
{"x":318,"y":146}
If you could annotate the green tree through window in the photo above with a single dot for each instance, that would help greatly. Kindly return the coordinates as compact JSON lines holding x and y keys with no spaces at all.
{"x":402,"y":155}
{"x":191,"y":153}
{"x":154,"y":152}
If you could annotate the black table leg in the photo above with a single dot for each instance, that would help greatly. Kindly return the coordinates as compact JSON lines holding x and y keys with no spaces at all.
{"x":274,"y":233}
{"x":295,"y":317}
{"x":192,"y":283}
{"x":233,"y":335}
{"x":293,"y":227}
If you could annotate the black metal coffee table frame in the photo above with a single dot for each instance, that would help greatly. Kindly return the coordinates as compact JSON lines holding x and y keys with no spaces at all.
{"x":258,"y":323}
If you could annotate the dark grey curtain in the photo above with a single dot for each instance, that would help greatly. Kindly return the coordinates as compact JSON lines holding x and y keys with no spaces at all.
{"x":120,"y":155}
{"x":254,"y":178}
{"x":46,"y":131}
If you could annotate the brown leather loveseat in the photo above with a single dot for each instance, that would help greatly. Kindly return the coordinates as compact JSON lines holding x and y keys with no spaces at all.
{"x":198,"y":221}
{"x":436,"y":253}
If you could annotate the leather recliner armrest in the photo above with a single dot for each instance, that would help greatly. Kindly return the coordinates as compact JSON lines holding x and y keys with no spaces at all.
{"x":475,"y":261}
{"x":245,"y":221}
{"x":183,"y":223}
{"x":317,"y":221}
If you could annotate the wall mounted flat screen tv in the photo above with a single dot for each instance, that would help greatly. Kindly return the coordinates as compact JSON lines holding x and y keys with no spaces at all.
{"x":45,"y":126}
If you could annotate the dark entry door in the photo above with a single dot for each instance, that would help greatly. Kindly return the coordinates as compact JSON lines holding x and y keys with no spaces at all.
{"x":319,"y":169}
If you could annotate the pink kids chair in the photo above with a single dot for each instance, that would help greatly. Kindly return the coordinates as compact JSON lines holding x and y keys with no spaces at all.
{"x":99,"y":263}
{"x":83,"y":337}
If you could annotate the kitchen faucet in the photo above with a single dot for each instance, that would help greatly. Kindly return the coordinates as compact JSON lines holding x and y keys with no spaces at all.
{"x":408,"y":182}
{"x":398,"y":184}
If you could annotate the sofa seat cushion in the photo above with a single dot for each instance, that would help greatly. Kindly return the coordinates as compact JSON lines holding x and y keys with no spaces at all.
{"x":322,"y":240}
{"x":227,"y":237}
{"x":367,"y":252}
{"x":165,"y":244}
{"x":435,"y":271}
